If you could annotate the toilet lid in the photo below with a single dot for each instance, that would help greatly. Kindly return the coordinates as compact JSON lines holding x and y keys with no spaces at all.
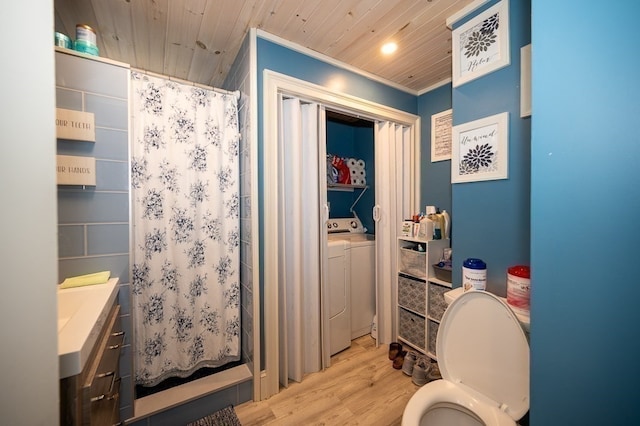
{"x":481,"y":344}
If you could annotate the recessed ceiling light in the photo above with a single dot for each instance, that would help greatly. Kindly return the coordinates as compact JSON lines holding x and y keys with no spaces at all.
{"x":389,"y":48}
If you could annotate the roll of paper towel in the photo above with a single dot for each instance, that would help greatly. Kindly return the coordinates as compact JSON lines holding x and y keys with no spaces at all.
{"x":351,"y":162}
{"x":360,"y":163}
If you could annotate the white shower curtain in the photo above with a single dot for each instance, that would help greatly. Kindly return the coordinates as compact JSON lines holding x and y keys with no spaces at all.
{"x":185,"y":215}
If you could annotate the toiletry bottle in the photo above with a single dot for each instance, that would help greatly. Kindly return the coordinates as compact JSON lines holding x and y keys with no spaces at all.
{"x":437,"y":227}
{"x":447,"y":224}
{"x":437,"y":230}
{"x":426,"y":228}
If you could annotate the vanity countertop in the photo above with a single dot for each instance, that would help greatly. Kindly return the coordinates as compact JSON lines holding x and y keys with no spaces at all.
{"x":82,"y":312}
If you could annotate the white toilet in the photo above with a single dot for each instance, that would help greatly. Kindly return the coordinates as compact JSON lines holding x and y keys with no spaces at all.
{"x":483,"y":355}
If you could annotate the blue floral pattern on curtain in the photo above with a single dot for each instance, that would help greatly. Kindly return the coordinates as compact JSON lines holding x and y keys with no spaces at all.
{"x":185,"y":205}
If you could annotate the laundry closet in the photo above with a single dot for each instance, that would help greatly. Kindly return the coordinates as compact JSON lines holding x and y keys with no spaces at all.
{"x":329,"y":242}
{"x":350,"y":280}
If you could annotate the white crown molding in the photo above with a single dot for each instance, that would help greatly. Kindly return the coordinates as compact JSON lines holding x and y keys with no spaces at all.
{"x":468,"y":9}
{"x":434,"y":86}
{"x":324,"y":58}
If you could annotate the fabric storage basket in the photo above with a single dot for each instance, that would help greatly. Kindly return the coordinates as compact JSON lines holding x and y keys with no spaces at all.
{"x":411,"y":294}
{"x":437,"y":304}
{"x":433,"y":335}
{"x":442,"y":273}
{"x":412,"y":328}
{"x":413,"y":262}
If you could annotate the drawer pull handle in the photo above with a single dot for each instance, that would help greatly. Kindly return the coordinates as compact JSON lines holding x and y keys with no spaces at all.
{"x":107,"y":374}
{"x":117,"y":333}
{"x":113,"y":347}
{"x":97,"y":398}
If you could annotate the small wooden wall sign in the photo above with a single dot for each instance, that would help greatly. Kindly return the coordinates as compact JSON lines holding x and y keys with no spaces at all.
{"x":75,"y":125}
{"x":72,"y":170}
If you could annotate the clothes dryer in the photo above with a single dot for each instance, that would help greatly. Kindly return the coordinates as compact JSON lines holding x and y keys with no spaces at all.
{"x":360,"y":248}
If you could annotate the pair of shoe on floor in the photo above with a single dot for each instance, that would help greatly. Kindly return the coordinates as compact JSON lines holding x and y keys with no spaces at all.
{"x":421,"y":369}
{"x":396,"y":354}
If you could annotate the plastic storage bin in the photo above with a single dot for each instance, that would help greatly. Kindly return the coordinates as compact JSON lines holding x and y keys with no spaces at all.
{"x":443,"y":274}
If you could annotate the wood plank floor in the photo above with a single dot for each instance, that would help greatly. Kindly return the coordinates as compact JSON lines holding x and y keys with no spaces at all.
{"x":360,"y":388}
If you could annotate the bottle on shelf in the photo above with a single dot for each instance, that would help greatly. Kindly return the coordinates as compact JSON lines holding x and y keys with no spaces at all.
{"x":426,"y":228}
{"x":438,"y":222}
{"x":447,"y":225}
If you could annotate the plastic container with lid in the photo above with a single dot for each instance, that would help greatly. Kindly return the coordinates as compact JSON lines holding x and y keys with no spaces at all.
{"x":474,"y":274}
{"x":62,"y":40}
{"x":86,"y":33}
{"x":519,"y":287}
{"x":86,"y":40}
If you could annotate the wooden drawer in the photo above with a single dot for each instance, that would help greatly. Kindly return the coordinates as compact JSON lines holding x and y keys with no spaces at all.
{"x":107,"y":371}
{"x":106,"y":411}
{"x":100,"y":392}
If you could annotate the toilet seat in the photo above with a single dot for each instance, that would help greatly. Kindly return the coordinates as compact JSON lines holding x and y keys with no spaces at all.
{"x":443,"y":392}
{"x":484,"y":347}
{"x":484,"y":362}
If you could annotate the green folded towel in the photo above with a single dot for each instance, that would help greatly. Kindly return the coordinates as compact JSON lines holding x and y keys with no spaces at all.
{"x":89,"y":279}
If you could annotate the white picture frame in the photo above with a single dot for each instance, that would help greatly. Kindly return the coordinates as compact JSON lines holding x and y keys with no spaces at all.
{"x":441,"y":125}
{"x":481,"y":45}
{"x":525,"y":81}
{"x":480,"y":150}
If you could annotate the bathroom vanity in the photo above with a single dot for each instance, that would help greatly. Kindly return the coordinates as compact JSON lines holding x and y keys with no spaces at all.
{"x":90,"y":338}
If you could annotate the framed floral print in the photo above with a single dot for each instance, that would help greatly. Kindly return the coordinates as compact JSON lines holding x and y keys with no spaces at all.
{"x":481,"y":45}
{"x":480,"y":149}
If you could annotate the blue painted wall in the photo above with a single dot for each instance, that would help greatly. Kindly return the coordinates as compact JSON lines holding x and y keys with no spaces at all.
{"x":281,"y":59}
{"x":491,"y":218}
{"x":585,"y":204}
{"x":435,"y":178}
{"x":346,"y":140}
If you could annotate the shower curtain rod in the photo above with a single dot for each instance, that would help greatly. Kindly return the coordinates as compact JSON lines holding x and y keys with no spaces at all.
{"x":179,"y":80}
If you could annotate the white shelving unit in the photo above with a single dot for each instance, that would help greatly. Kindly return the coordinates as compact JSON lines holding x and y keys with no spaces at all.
{"x":420,"y":294}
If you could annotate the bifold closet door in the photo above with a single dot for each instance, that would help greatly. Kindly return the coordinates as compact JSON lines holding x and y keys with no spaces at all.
{"x":299,"y":289}
{"x":393,"y":144}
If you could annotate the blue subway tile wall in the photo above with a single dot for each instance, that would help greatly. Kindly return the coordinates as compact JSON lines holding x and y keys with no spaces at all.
{"x":71,"y":240}
{"x":107,"y":238}
{"x":90,"y":205}
{"x":93,"y":231}
{"x":239,"y":79}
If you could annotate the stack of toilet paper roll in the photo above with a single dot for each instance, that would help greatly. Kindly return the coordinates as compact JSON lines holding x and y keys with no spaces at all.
{"x":358,"y":173}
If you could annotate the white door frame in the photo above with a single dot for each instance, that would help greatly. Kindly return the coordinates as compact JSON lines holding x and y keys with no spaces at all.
{"x":274,"y":84}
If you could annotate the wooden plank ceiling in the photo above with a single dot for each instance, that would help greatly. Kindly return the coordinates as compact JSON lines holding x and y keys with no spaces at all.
{"x":197,"y":40}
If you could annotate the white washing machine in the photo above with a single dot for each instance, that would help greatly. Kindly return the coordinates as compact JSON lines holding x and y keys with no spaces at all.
{"x":357,"y":294}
